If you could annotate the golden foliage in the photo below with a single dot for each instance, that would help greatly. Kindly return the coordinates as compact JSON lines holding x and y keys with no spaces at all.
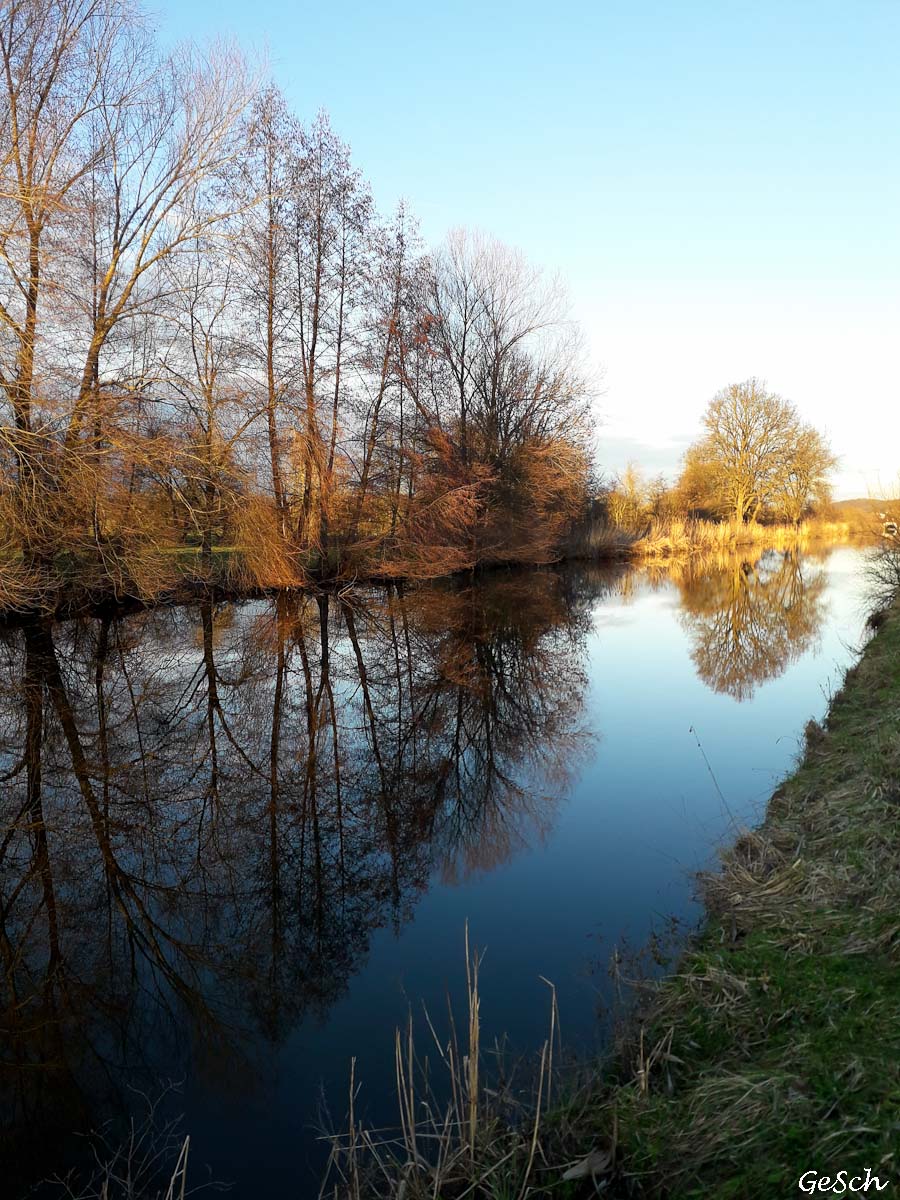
{"x":263,"y":558}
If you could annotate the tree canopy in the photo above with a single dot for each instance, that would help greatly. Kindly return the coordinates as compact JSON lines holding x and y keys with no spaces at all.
{"x":756,"y":455}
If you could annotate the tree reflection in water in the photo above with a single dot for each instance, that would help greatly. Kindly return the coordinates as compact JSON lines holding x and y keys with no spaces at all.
{"x":748,"y":621}
{"x":206,"y":813}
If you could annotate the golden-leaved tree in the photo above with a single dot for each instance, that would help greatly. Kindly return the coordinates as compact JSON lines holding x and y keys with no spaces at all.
{"x":756,"y":455}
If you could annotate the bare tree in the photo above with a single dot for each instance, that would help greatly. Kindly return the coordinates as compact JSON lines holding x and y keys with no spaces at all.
{"x":395,"y":295}
{"x":111,"y":154}
{"x":803,"y":481}
{"x":506,"y":394}
{"x":757,"y":452}
{"x":332,"y":213}
{"x":265,"y":176}
{"x":54,"y":59}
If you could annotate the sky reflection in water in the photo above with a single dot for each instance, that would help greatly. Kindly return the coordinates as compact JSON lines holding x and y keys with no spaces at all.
{"x":239,"y":840}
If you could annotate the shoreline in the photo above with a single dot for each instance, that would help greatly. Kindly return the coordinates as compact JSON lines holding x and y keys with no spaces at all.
{"x":772,"y":1052}
{"x":776,"y":1039}
{"x":67,"y":599}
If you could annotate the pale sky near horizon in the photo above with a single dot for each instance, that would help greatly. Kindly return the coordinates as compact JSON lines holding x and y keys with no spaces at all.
{"x":717,"y":182}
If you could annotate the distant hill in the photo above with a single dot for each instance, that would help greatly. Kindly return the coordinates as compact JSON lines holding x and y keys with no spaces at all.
{"x":863,"y":514}
{"x":865,"y":504}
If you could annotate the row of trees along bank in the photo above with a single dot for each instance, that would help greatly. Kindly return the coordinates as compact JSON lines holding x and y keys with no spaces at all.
{"x":210,"y":338}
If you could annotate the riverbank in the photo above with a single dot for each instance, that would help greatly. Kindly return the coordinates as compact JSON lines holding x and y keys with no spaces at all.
{"x":679,"y":538}
{"x":780,"y":1031}
{"x":774,"y":1049}
{"x":682,"y":538}
{"x":179,"y":574}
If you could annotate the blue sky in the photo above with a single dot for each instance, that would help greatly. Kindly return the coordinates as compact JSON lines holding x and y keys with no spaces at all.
{"x":717,"y":183}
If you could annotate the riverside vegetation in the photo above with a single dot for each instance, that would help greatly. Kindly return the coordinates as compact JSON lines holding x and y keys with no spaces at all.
{"x":212,"y":342}
{"x":219,"y":364}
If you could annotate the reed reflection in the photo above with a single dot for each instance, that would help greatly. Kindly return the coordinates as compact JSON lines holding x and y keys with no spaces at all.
{"x":207,"y":812}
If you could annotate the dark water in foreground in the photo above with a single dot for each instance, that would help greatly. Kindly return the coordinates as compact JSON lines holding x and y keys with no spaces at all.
{"x":237,"y":841}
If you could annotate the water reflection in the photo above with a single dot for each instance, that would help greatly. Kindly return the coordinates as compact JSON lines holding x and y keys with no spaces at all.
{"x":207,"y":812}
{"x":748,"y":621}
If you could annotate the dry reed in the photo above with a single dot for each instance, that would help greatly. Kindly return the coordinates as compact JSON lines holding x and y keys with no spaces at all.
{"x":679,"y":537}
{"x":470,"y":1132}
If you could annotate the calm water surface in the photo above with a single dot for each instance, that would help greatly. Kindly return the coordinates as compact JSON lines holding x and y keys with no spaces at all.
{"x":237,"y":841}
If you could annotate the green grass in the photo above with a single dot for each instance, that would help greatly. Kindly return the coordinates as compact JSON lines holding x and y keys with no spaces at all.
{"x":785,"y":1015}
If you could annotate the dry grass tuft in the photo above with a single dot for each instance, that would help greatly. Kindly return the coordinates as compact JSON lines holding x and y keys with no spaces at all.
{"x":597,"y":539}
{"x":468,"y":1132}
{"x":265,"y":558}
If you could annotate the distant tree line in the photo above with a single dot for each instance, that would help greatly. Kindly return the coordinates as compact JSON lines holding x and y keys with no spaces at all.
{"x":757,"y":460}
{"x":210,"y":337}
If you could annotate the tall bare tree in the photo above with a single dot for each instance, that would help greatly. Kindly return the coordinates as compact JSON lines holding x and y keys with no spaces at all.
{"x":757,"y":452}
{"x":332,"y":214}
{"x":265,"y":178}
{"x":111,"y":154}
{"x":803,"y":482}
{"x":507,"y":396}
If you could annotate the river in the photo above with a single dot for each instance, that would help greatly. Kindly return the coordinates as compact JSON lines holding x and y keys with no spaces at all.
{"x":239,"y":841}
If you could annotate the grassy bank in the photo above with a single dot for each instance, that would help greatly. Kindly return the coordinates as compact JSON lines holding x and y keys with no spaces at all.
{"x":783,"y":1022}
{"x":772,"y":1051}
